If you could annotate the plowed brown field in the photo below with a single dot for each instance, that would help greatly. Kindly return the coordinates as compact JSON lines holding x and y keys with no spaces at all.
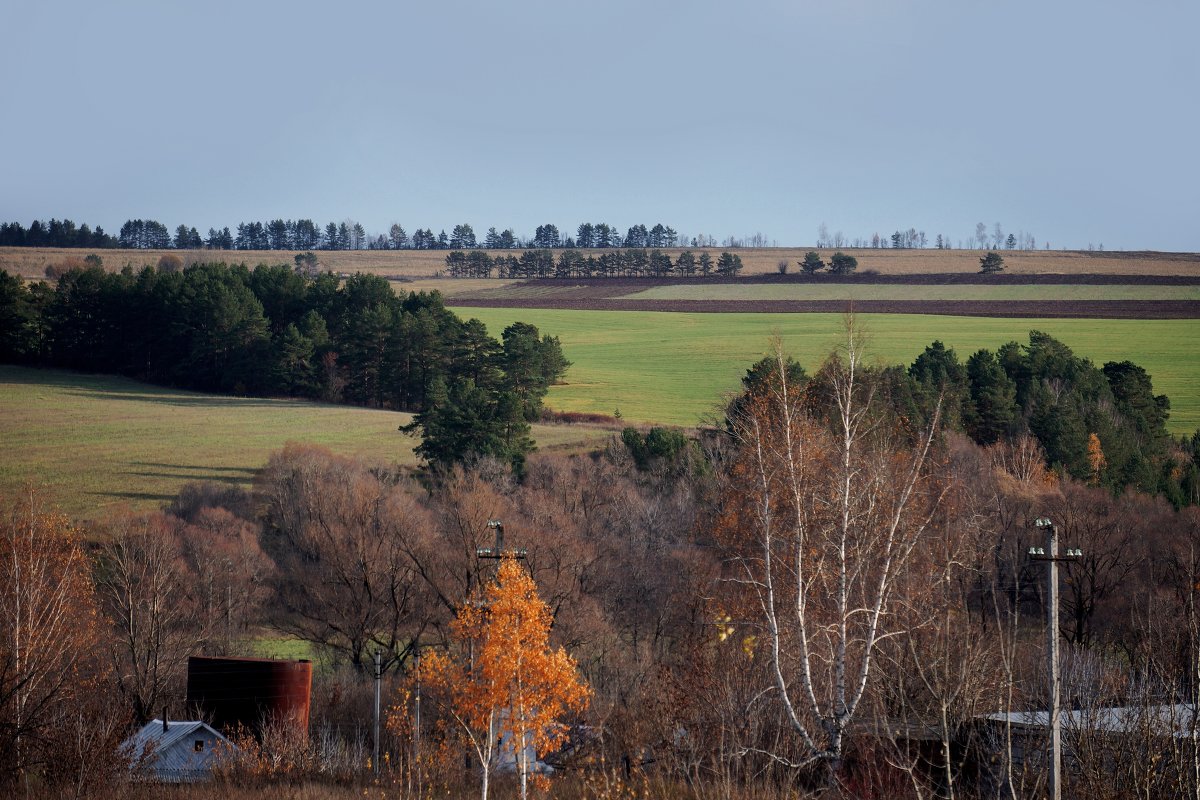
{"x":621,"y":295}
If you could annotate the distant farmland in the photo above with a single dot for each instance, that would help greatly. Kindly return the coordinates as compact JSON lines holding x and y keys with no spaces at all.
{"x":674,"y":367}
{"x":1076,"y":295}
{"x":31,"y":262}
{"x":877,"y":291}
{"x":140,"y":443}
{"x":98,"y":442}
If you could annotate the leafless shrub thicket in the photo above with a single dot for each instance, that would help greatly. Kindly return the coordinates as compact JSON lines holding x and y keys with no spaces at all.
{"x":830,"y":603}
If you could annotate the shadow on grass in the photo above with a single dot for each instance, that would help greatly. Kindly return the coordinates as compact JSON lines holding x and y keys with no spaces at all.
{"x":116,"y":387}
{"x":166,"y":398}
{"x":165,"y":498}
{"x":89,"y":386}
{"x":231,"y":480}
{"x":190,"y":467}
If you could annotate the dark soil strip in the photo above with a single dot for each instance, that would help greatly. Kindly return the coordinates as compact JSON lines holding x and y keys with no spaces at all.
{"x":626,"y":285}
{"x":1106,"y":309}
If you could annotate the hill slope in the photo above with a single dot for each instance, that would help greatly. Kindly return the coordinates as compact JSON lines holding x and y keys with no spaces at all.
{"x":95,"y":442}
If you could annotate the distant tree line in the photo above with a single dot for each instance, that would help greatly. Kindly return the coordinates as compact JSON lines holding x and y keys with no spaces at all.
{"x":305,"y":234}
{"x":633,"y":263}
{"x":272,"y":331}
{"x":811,"y":264}
{"x":914,"y":239}
{"x":55,"y":233}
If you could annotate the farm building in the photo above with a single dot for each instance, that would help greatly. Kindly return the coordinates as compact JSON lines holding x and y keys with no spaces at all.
{"x":1093,"y":739}
{"x":176,"y":752}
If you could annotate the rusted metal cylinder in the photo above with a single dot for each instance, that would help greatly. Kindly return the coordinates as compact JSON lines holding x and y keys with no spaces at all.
{"x":251,"y":693}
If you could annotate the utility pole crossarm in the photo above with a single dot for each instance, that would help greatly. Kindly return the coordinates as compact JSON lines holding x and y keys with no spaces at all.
{"x":498,"y":551}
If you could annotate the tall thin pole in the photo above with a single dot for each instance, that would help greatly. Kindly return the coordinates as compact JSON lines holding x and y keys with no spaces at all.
{"x":378,"y":681}
{"x":417,"y":723}
{"x":1052,"y":641}
{"x":1050,"y":555}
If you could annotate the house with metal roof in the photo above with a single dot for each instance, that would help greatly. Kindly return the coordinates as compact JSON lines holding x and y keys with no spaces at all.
{"x":176,"y":751}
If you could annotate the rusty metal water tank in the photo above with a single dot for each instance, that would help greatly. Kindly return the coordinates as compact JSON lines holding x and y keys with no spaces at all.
{"x":249,"y":692}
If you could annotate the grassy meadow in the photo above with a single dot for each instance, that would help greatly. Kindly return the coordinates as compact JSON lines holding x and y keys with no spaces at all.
{"x":674,"y":367}
{"x":95,"y":443}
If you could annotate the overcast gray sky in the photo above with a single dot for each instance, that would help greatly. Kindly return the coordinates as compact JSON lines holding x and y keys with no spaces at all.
{"x":1076,"y":121}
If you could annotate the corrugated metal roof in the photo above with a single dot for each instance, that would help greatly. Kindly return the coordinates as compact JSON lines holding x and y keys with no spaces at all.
{"x":172,"y":753}
{"x":1163,"y":720}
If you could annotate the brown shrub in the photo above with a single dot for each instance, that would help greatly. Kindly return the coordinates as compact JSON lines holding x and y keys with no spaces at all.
{"x":577,"y":418}
{"x":57,"y":270}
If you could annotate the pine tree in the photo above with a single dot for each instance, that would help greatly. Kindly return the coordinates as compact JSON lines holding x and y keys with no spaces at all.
{"x":991,"y":263}
{"x":729,"y":264}
{"x":993,"y":412}
{"x":812,"y":263}
{"x":842,"y":264}
{"x":462,"y":237}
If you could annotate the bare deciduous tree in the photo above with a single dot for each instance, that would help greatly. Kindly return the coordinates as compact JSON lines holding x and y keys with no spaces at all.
{"x":822,"y":520}
{"x":341,"y":538}
{"x":52,"y":664}
{"x":150,"y":603}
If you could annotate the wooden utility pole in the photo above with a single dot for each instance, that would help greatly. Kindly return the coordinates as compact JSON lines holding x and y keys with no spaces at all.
{"x":417,"y":722}
{"x":378,"y":681}
{"x":1049,"y":554}
{"x":498,"y":551}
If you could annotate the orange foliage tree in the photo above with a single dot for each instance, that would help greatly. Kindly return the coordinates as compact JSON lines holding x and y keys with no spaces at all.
{"x":506,"y":683}
{"x":1097,"y":463}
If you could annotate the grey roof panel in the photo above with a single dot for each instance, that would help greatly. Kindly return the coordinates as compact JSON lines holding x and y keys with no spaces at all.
{"x":172,"y":753}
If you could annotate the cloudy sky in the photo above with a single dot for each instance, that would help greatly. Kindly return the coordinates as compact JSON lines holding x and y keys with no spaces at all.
{"x":1075,"y":121}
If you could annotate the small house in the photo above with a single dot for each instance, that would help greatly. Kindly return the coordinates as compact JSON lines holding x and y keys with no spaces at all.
{"x":176,"y":751}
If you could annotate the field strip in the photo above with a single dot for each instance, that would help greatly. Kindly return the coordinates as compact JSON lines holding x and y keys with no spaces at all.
{"x":674,"y":367}
{"x":860,"y":291}
{"x":31,"y":262}
{"x":1042,"y":309}
{"x":98,"y":442}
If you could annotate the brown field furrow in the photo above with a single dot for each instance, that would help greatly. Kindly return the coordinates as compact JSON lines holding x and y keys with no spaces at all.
{"x":616,"y":287}
{"x":1102,"y":309}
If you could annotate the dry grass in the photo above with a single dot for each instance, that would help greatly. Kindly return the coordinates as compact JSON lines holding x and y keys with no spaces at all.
{"x":593,"y":786}
{"x":31,"y":262}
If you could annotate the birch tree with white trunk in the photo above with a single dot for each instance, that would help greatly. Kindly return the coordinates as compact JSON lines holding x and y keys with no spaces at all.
{"x":828,"y":496}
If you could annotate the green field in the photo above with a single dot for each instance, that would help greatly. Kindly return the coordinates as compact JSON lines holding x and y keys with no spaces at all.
{"x":879,"y":291}
{"x":674,"y":367}
{"x":99,"y":442}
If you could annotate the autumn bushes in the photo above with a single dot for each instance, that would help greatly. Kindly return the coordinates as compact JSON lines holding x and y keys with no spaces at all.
{"x":56,"y":691}
{"x":827,"y":595}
